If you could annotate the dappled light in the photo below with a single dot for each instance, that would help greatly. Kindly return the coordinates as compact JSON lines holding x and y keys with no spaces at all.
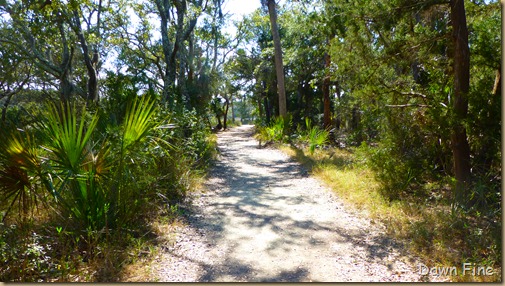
{"x":250,"y":140}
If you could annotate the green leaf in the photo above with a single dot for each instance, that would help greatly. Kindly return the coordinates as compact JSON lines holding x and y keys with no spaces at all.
{"x":138,"y":120}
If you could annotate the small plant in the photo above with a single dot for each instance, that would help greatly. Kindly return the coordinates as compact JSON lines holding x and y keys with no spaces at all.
{"x":275,"y":132}
{"x":313,"y":136}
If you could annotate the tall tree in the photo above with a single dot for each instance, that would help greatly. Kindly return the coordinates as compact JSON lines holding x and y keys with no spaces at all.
{"x":178,"y":22}
{"x":78,"y":20}
{"x":279,"y":66}
{"x":15,"y":74}
{"x":461,"y":69}
{"x":326,"y":92}
{"x":50,"y":34}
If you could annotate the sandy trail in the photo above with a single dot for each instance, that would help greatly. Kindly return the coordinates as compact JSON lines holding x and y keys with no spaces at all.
{"x":264,"y":219}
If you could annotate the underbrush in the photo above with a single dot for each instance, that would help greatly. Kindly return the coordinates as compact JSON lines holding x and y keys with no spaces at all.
{"x":277,"y":131}
{"x":440,"y":235}
{"x":274,"y":132}
{"x":80,"y":187}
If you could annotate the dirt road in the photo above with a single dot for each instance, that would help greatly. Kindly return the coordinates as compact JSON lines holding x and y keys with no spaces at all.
{"x":264,"y":219}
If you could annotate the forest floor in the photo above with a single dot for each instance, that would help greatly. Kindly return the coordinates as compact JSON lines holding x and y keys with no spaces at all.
{"x":263,"y":218}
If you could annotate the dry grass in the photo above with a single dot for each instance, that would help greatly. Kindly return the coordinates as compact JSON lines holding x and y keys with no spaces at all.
{"x":430,"y":230}
{"x":142,"y":268}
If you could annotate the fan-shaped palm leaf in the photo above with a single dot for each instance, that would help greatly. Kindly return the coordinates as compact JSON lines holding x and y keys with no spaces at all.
{"x":19,"y":164}
{"x":138,"y":120}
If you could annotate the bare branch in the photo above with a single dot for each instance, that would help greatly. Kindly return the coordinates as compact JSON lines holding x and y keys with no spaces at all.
{"x":407,"y":105}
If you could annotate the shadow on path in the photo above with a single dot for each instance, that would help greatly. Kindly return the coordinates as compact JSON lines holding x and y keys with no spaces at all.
{"x":267,"y":221}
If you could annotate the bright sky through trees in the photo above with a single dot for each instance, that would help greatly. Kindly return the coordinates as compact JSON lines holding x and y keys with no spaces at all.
{"x":240,"y":8}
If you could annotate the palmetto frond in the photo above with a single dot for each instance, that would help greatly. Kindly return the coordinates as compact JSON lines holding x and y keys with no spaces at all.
{"x":19,"y":165}
{"x":138,"y":120}
{"x":69,"y":136}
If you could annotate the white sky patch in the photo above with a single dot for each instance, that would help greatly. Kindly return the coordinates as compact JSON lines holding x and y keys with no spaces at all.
{"x":240,"y":8}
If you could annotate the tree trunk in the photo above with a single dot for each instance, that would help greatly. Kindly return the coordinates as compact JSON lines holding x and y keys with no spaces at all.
{"x":92,"y":94}
{"x":461,"y":69}
{"x":307,"y":95}
{"x":268,"y":114}
{"x":6,"y":105}
{"x":279,"y":66}
{"x":225,"y":119}
{"x":267,"y":108}
{"x":260,"y":108}
{"x":169,"y":75}
{"x":326,"y":93}
{"x":182,"y":96}
{"x":497,"y":83}
{"x":232,"y":112}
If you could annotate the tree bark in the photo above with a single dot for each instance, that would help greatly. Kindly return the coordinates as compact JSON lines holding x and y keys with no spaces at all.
{"x":6,"y":104}
{"x":326,"y":93}
{"x":171,"y":49}
{"x":90,"y":67}
{"x":225,"y":119}
{"x":461,"y":69}
{"x":268,"y":114}
{"x":59,"y":71}
{"x":279,"y":66}
{"x":167,"y":46}
{"x":497,"y":83}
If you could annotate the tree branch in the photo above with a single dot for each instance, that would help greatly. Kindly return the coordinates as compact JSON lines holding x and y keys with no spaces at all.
{"x":407,"y":105}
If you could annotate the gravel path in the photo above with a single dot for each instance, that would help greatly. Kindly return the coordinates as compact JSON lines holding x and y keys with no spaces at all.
{"x":264,"y":219}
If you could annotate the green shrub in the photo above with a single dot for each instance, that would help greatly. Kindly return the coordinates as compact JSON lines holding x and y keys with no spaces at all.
{"x":398,"y":173}
{"x":88,"y":176}
{"x":94,"y":176}
{"x":314,"y":136}
{"x":188,"y":151}
{"x":192,"y":135}
{"x":275,"y":132}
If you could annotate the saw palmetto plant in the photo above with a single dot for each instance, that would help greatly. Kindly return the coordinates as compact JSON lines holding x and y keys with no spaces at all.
{"x":73,"y":166}
{"x":19,"y":169}
{"x":88,"y":179}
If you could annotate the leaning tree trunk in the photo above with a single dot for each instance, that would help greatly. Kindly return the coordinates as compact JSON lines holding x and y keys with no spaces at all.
{"x":168,"y":77}
{"x":279,"y":66}
{"x":461,"y":69}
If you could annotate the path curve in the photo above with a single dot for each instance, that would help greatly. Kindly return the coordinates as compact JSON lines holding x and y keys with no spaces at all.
{"x":264,"y":219}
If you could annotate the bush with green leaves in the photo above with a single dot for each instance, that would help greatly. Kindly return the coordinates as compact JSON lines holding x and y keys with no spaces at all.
{"x":313,"y":135}
{"x":276,"y":131}
{"x":87,"y":175}
{"x":192,"y":135}
{"x":404,"y":159}
{"x":190,"y":150}
{"x":26,"y":258}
